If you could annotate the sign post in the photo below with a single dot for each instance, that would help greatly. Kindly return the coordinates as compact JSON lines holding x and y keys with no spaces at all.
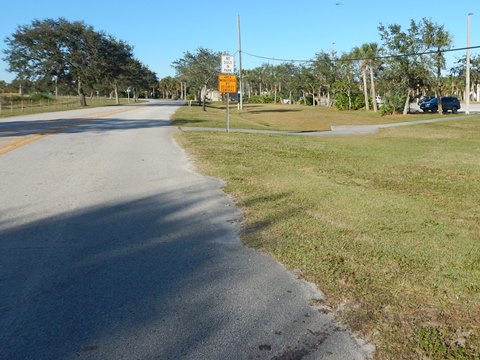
{"x":227,"y":84}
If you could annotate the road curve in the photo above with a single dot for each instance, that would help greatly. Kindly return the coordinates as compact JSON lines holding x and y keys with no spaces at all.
{"x":113,"y":247}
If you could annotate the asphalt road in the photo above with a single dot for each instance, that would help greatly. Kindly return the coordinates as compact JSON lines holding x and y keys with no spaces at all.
{"x":113,"y":247}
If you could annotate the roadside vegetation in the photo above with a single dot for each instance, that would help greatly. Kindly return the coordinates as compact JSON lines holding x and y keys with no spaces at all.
{"x":408,"y":65}
{"x":387,"y":225}
{"x":72,"y":58}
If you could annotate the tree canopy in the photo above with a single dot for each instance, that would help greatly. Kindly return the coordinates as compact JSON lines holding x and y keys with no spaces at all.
{"x":199,"y":69}
{"x":74,"y":54}
{"x":408,"y":63}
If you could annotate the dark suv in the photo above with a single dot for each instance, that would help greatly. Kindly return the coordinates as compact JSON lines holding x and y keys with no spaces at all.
{"x":448,"y":103}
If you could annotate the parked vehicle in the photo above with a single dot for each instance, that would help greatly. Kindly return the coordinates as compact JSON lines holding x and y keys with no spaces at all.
{"x":423,"y":99}
{"x":449,"y":103}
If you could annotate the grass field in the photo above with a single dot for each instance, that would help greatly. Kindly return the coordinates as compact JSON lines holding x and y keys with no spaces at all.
{"x":387,"y":225}
{"x":62,"y":103}
{"x":285,"y":117}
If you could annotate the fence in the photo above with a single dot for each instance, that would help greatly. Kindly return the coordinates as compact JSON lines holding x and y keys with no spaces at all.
{"x":16,"y":105}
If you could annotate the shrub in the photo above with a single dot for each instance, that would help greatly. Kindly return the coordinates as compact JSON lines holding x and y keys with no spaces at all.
{"x":393,"y":103}
{"x":341,"y":101}
{"x":39,"y":97}
{"x":262,"y":99}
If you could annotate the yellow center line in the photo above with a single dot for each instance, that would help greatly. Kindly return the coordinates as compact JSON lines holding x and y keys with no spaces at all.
{"x":24,"y":140}
{"x":20,"y":142}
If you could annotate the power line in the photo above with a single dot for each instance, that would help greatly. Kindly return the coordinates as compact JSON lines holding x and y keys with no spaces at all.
{"x":367,"y":58}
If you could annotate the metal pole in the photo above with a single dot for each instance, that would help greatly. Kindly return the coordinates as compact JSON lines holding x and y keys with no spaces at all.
{"x":228,"y":112}
{"x":240,"y":64}
{"x":467,"y":75}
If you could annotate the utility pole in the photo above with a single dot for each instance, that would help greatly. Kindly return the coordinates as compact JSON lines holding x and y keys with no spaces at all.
{"x":240,"y":79}
{"x":467,"y":74}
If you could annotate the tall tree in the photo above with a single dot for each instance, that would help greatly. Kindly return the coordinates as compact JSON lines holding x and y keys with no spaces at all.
{"x":73,"y":53}
{"x":373,"y":61}
{"x":169,"y":86}
{"x":116,"y":52}
{"x":408,"y":48}
{"x":200,"y":69}
{"x":435,"y":37}
{"x":324,"y":68}
{"x":347,"y":94}
{"x":368,"y":54}
{"x":362,"y":54}
{"x":406,"y":64}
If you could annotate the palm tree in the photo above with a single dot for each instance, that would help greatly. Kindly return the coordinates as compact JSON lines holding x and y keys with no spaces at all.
{"x":362,"y":54}
{"x":373,"y":51}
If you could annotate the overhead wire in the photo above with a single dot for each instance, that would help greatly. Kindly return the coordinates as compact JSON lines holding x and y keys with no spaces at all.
{"x":363,"y":58}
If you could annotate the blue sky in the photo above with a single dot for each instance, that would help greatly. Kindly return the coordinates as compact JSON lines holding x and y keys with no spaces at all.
{"x":161,"y":31}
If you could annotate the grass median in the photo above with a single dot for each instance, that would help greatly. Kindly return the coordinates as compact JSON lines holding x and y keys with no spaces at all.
{"x":387,"y":225}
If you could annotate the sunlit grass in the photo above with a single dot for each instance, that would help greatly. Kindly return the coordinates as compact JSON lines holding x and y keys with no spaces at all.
{"x":387,"y":225}
{"x":285,"y":117}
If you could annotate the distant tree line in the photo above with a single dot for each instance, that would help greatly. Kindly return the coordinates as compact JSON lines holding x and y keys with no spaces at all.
{"x":409,"y":63}
{"x":59,"y":56}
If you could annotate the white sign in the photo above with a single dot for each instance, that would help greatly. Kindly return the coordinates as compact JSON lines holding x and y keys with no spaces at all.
{"x":228,"y":64}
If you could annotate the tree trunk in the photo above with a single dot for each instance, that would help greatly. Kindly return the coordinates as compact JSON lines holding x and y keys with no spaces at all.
{"x":81,"y":93}
{"x":407,"y":103}
{"x":372,"y":89}
{"x":365,"y":89}
{"x":115,"y":90}
{"x":204,"y":98}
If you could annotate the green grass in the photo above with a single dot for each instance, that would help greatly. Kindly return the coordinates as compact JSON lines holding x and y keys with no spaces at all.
{"x":387,"y":225}
{"x":61,"y":104}
{"x":285,"y":117}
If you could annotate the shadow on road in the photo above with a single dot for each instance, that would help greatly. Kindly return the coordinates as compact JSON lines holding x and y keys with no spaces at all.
{"x":155,"y":277}
{"x":92,"y":280}
{"x":71,"y":126}
{"x":66,"y":123}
